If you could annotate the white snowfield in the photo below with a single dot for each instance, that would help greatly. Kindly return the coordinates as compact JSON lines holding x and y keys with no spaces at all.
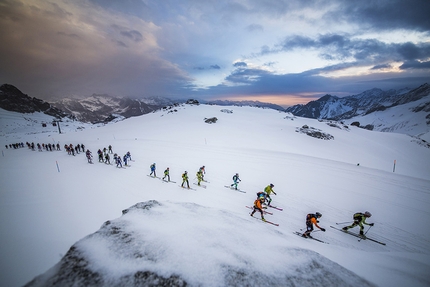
{"x":50,"y":201}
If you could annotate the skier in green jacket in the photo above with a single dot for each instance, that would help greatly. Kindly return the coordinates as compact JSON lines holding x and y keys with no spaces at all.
{"x":199,"y":175}
{"x":359,"y":219}
{"x":166,"y":174}
{"x":185,"y":179}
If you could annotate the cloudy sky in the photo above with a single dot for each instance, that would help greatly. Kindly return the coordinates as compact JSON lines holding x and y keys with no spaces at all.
{"x":279,"y":51}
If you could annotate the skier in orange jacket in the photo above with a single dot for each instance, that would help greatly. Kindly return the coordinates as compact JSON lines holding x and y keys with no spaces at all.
{"x":311,"y":220}
{"x":258,"y":207}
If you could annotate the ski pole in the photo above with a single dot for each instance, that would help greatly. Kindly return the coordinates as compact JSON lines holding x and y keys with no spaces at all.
{"x":364,"y":235}
{"x":337,"y":223}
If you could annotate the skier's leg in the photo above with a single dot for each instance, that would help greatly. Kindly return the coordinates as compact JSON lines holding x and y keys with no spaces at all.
{"x":262,"y":216}
{"x":361,"y":228}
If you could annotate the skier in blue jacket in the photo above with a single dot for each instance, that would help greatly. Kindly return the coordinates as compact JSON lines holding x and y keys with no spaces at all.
{"x":153,"y":169}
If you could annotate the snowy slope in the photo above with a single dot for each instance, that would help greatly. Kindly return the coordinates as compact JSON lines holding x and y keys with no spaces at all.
{"x":16,"y":127}
{"x":206,"y":237}
{"x":406,"y":119}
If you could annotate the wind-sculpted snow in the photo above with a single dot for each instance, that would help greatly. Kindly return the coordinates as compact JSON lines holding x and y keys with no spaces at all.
{"x":136,"y":250}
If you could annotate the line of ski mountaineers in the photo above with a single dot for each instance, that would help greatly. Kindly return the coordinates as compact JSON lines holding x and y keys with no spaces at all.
{"x":260,"y":204}
{"x":104,"y":157}
{"x":71,"y":149}
{"x":263,"y":200}
{"x":311,"y":218}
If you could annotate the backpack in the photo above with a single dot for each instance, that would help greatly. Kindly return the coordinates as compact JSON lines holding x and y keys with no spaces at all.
{"x":310,"y":216}
{"x":357,"y":216}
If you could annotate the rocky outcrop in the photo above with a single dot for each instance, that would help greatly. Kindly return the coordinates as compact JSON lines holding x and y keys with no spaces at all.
{"x":12,"y":99}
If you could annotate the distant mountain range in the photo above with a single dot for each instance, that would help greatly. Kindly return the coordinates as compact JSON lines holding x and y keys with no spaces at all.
{"x":257,"y":104}
{"x":93,"y":109}
{"x":104,"y":108}
{"x":406,"y":110}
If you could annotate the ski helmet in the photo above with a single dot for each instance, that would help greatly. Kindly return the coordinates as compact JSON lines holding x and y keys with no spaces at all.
{"x":367,"y":214}
{"x":272,"y":185}
{"x":318,"y":214}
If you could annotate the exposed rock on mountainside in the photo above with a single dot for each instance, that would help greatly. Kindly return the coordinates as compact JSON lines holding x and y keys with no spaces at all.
{"x":315,"y":133}
{"x":12,"y":99}
{"x":335,"y":108}
{"x":211,"y":120}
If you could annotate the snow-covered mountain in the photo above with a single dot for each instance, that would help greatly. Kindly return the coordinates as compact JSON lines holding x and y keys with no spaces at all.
{"x":104,"y":108}
{"x":66,"y":222}
{"x":12,"y":99}
{"x":409,"y":103}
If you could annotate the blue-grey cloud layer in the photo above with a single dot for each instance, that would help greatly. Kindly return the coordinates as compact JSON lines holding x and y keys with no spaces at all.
{"x":167,"y":48}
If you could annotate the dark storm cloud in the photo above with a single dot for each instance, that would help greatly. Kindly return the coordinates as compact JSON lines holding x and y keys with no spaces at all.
{"x":240,"y":64}
{"x":246,"y":75}
{"x":130,"y":34}
{"x":381,"y":67}
{"x":334,"y":46}
{"x":411,"y":51}
{"x":255,"y":82}
{"x":80,"y":49}
{"x":386,"y":14}
{"x":150,"y":47}
{"x":363,"y":51}
{"x":415,"y":65}
{"x":211,"y":67}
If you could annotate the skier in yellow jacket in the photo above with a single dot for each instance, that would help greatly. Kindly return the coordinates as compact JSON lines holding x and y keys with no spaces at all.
{"x":268,"y":190}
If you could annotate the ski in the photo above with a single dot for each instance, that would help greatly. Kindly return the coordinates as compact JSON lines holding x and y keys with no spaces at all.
{"x":205,"y":181}
{"x":234,"y":189}
{"x":186,"y":187}
{"x":359,"y":236}
{"x":266,"y":221}
{"x":153,"y":176}
{"x":163,"y":180}
{"x":275,"y":207}
{"x":201,"y":185}
{"x":301,"y":235}
{"x":265,"y":212}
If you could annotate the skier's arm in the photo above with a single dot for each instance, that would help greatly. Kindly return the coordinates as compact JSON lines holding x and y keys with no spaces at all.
{"x":364,"y":222}
{"x":314,"y":221}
